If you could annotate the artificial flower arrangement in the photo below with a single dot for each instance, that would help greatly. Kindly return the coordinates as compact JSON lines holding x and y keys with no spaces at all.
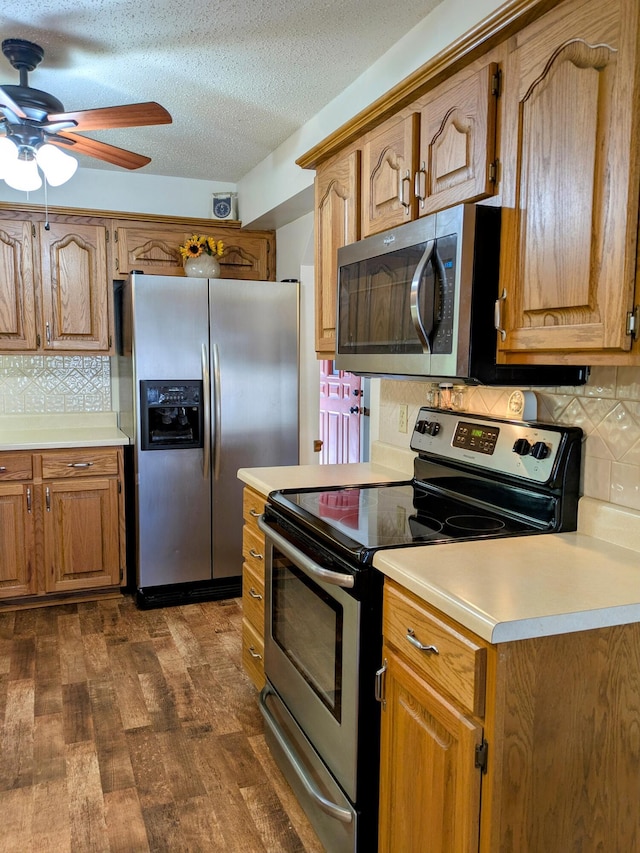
{"x":196,"y":245}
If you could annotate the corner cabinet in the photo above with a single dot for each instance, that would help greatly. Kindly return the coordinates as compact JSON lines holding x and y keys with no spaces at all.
{"x":55,"y":288}
{"x":62,"y":516}
{"x":528,"y":746}
{"x":337,"y":223}
{"x":571,"y":184}
{"x":152,"y":248}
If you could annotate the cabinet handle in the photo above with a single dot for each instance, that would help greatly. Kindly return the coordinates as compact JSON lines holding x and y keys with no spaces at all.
{"x":411,"y":637}
{"x":79,"y":464}
{"x":28,"y":498}
{"x":254,"y":653}
{"x":255,"y":554}
{"x":254,"y":594}
{"x":379,"y":688}
{"x":3,"y":468}
{"x":406,"y":179}
{"x":497,"y":315}
{"x":48,"y":332}
{"x":47,"y":495}
{"x":254,"y":513}
{"x":420,"y":183}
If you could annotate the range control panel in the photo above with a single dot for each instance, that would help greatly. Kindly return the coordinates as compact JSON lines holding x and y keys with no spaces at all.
{"x":517,"y":448}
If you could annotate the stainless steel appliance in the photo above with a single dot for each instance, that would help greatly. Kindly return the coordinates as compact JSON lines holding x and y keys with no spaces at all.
{"x":474,"y":478}
{"x":208,"y":381}
{"x":419,"y":300}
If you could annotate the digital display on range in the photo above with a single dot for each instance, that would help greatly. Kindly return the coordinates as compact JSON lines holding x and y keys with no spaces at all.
{"x":472,"y":437}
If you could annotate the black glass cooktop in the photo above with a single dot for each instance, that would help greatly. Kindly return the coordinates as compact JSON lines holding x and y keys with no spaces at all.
{"x":393,"y":515}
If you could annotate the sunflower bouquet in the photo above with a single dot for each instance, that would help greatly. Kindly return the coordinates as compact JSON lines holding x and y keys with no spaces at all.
{"x":196,"y":245}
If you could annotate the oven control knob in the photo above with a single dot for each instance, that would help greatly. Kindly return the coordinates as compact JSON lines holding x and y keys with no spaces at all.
{"x":540,"y":450}
{"x":428,"y":427}
{"x":521,"y":446}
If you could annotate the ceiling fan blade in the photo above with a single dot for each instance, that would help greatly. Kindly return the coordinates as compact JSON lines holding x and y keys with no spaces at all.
{"x":7,"y":101}
{"x":100,"y":150}
{"x":106,"y":118}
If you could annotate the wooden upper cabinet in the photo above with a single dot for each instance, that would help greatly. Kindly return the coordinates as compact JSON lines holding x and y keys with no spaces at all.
{"x":153,"y":249}
{"x":17,"y":286}
{"x":439,"y":152}
{"x":337,"y":223}
{"x":457,"y":159}
{"x":388,"y":166}
{"x":571,"y":182}
{"x":75,"y":286}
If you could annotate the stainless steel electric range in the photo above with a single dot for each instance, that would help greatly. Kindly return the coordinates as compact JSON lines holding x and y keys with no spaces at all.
{"x":474,"y":478}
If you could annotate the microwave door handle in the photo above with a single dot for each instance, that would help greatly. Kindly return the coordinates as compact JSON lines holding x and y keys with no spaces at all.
{"x":423,"y":325}
{"x":302,"y":561}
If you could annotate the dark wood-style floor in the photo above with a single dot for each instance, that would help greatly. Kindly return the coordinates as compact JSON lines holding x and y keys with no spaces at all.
{"x":124,"y":730}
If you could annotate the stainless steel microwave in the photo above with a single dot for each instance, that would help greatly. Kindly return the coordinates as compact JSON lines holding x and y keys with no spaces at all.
{"x":418,"y":301}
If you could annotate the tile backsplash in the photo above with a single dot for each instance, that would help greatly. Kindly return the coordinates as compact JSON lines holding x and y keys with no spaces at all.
{"x":607,"y":409}
{"x":56,"y":383}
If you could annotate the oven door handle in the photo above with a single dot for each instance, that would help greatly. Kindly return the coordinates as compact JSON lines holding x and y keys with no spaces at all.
{"x":332,"y":809}
{"x":302,"y":561}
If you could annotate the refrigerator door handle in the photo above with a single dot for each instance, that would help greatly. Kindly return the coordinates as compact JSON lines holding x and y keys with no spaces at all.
{"x":206,"y":413}
{"x":217,"y":420}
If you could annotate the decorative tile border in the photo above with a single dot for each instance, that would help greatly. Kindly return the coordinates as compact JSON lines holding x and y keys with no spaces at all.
{"x":58,"y":383}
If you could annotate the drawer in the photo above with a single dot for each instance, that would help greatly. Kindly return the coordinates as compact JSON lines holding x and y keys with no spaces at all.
{"x":457,"y":663}
{"x":83,"y":462}
{"x":253,"y":548}
{"x":253,"y":596}
{"x":252,"y":507}
{"x":253,"y":654}
{"x":16,"y":466}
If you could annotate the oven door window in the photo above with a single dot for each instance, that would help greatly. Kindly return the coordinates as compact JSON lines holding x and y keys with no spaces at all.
{"x":307,"y":624}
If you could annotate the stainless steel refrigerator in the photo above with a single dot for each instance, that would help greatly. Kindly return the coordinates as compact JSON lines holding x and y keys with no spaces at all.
{"x":208,"y":383}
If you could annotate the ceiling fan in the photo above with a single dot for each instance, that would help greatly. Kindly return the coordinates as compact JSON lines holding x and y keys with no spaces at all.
{"x":36,"y":127}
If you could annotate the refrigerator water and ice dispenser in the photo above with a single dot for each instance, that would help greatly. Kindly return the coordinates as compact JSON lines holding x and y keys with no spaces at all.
{"x":171,"y":414}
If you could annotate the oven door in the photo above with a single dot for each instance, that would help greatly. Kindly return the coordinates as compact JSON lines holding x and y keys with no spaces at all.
{"x":311,"y":651}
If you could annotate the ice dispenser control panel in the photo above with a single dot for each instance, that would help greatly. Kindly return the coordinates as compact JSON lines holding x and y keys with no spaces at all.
{"x":171,"y":414}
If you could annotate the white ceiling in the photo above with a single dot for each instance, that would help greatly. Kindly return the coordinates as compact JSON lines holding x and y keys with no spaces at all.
{"x":238,"y":76}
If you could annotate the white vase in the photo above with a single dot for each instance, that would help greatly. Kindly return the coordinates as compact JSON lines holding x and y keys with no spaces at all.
{"x":204,"y":266}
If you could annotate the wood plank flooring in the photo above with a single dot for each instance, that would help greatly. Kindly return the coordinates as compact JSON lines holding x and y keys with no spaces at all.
{"x":123,"y":731}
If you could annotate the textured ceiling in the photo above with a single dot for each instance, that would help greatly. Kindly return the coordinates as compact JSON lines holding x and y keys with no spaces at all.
{"x":238,"y":76}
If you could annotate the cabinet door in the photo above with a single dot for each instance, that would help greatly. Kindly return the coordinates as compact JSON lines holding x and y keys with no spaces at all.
{"x":388,"y":166}
{"x":75,"y":285}
{"x":17,"y":550}
{"x":570,"y":188}
{"x":247,"y":256}
{"x":81,"y":547}
{"x":457,"y":141}
{"x":429,"y":784}
{"x":337,"y":223}
{"x":17,"y":287}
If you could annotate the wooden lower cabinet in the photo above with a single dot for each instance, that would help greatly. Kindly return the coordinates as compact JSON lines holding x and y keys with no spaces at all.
{"x":253,"y":549}
{"x":527,"y":746}
{"x":61,"y":521}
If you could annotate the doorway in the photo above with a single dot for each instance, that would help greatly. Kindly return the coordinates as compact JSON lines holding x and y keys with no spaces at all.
{"x":344,"y":427}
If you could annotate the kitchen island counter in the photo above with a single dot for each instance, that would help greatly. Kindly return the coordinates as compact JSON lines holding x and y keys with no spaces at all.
{"x":265,"y":480}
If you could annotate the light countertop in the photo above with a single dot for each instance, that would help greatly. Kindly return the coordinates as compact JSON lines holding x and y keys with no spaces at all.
{"x":505,"y":589}
{"x":45,"y":432}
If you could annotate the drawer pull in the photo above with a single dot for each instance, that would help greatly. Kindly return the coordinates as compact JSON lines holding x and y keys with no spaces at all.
{"x":255,"y":554}
{"x":3,"y":468}
{"x":254,"y":513}
{"x":411,"y":637}
{"x":254,"y":594}
{"x":79,"y":464}
{"x":254,"y":653}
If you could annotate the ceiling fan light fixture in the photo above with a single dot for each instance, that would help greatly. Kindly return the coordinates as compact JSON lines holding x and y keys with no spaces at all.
{"x":23,"y":174}
{"x":8,"y":155}
{"x":57,"y":166}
